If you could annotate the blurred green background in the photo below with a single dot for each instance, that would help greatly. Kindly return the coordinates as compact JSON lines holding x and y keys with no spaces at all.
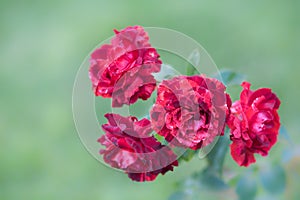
{"x":43,"y":43}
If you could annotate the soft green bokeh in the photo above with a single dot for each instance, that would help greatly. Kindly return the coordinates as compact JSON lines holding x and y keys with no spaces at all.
{"x":42,"y":44}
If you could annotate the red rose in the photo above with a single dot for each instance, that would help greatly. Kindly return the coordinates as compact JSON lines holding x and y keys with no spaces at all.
{"x":123,"y":69}
{"x":130,"y":147}
{"x":254,"y":124}
{"x":190,"y":111}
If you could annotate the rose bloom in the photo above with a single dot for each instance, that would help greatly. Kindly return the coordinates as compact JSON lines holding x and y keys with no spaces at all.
{"x":123,"y":69}
{"x":254,"y":124}
{"x":190,"y":111}
{"x":130,"y":147}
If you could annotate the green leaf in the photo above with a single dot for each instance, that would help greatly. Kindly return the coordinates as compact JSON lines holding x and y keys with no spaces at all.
{"x":161,"y":139}
{"x":273,"y":179}
{"x":233,"y":182}
{"x":217,"y":155}
{"x":194,"y":60}
{"x":187,"y":155}
{"x":210,"y":180}
{"x":215,"y":152}
{"x":204,"y":185}
{"x":166,"y":72}
{"x":246,"y":187}
{"x":230,"y":77}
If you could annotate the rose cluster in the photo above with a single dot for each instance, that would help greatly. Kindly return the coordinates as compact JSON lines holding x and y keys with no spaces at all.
{"x":190,"y":112}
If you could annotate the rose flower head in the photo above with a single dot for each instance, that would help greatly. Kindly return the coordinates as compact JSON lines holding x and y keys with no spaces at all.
{"x":254,"y":124}
{"x":190,"y":111}
{"x":123,"y":69}
{"x":130,"y":147}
